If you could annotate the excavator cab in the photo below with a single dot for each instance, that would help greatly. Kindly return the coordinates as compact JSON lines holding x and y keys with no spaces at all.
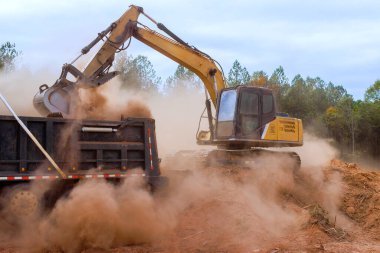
{"x":243,"y":111}
{"x":246,"y":117}
{"x":246,"y":120}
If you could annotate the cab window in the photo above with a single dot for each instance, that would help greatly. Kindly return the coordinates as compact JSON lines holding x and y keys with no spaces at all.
{"x":227,"y":105}
{"x":226,"y":114}
{"x":267,"y":103}
{"x":249,"y":113}
{"x":249,"y":103}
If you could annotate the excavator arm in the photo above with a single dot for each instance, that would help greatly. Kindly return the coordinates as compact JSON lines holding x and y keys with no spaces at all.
{"x":119,"y":34}
{"x":61,"y":96}
{"x":202,"y":65}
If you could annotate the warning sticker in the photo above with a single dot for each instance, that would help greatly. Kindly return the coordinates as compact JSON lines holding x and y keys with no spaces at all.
{"x":287,"y":126}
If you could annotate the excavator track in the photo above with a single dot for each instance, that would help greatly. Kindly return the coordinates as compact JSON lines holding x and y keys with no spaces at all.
{"x":252,"y":158}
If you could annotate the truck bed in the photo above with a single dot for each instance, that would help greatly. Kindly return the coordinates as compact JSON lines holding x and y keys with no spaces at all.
{"x":82,"y":149}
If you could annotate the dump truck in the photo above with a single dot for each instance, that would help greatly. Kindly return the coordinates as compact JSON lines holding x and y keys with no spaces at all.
{"x":83,"y":149}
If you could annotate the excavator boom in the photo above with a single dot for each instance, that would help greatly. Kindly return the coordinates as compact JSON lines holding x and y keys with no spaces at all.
{"x":202,"y":65}
{"x":60,"y":97}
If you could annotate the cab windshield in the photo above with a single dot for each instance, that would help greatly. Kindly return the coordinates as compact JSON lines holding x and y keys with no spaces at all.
{"x":226,"y":114}
{"x":227,"y":105}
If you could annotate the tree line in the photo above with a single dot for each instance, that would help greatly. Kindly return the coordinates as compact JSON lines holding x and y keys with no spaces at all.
{"x":324,"y":107}
{"x":8,"y":54}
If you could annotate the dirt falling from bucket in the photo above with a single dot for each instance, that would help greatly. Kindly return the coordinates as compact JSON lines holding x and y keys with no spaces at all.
{"x":104,"y":103}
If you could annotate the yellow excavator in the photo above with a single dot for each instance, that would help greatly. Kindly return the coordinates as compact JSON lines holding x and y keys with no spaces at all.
{"x":246,"y":119}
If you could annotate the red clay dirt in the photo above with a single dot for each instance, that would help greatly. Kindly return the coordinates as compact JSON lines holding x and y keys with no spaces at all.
{"x":225,"y":224}
{"x":231,"y":209}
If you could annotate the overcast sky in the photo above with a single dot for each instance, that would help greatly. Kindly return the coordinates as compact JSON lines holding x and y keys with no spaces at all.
{"x":336,"y":40}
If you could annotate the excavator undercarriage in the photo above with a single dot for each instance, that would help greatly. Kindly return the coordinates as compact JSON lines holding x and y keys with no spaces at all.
{"x":251,"y":158}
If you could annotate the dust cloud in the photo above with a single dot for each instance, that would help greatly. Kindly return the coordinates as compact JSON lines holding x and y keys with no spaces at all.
{"x":316,"y":185}
{"x":228,"y":211}
{"x":19,"y":88}
{"x":176,"y":114}
{"x":237,"y":209}
{"x":229,"y":208}
{"x":98,"y":214}
{"x":105,"y":103}
{"x":242,"y":209}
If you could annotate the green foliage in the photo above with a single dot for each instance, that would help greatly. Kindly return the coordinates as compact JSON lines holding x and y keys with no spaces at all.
{"x":278,"y":77}
{"x":355,"y":124}
{"x":279,"y":84}
{"x":335,"y":93}
{"x":341,"y":120}
{"x":295,"y":102}
{"x":259,"y":78}
{"x":8,"y":53}
{"x":137,"y":73}
{"x":309,"y":98}
{"x":238,"y":75}
{"x":368,"y":132}
{"x":373,"y":93}
{"x":183,"y":79}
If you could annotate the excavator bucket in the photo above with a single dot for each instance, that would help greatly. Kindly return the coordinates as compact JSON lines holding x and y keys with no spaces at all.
{"x":56,"y":99}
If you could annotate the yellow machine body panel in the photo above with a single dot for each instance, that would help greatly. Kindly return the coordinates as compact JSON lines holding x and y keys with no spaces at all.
{"x":284,"y":129}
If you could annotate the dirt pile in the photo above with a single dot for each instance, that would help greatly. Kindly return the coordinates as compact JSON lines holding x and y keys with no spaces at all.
{"x":361,"y":200}
{"x":360,"y":208}
{"x":270,"y":211}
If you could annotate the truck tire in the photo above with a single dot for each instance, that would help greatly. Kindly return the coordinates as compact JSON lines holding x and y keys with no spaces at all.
{"x":20,"y":202}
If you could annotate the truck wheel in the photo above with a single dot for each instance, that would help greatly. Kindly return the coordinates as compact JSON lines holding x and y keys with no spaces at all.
{"x":21,"y":202}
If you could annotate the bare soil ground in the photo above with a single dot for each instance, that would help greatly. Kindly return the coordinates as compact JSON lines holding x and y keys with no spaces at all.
{"x":231,"y":209}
